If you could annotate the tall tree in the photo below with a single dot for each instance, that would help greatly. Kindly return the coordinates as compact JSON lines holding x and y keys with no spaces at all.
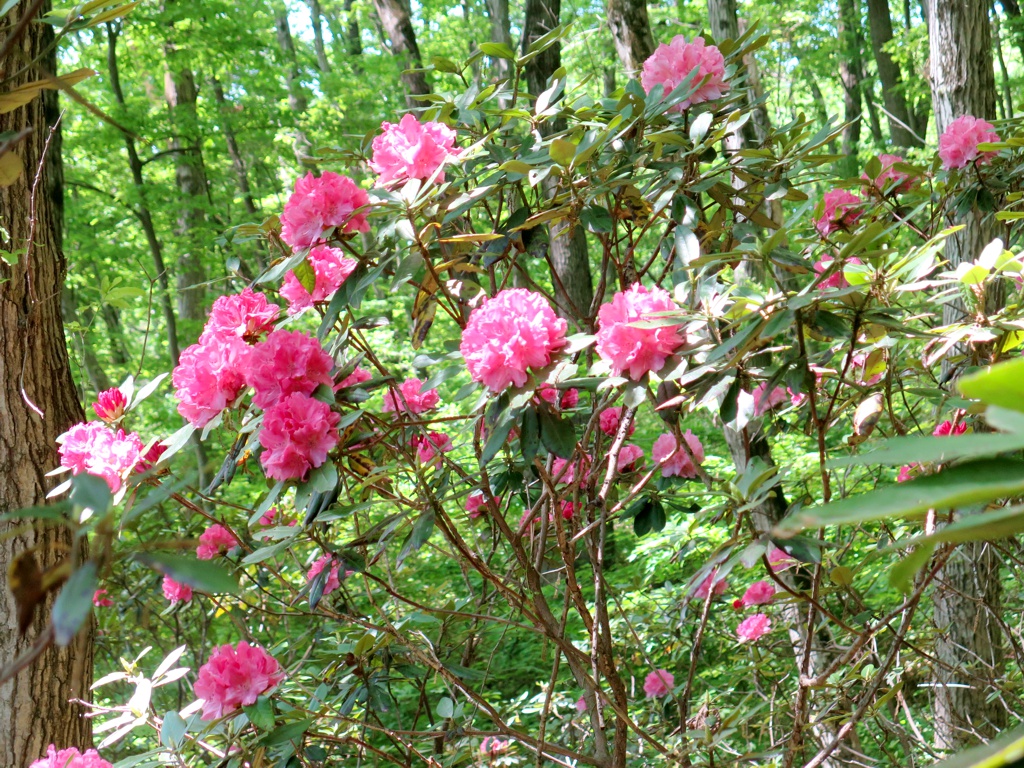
{"x":316,"y":20}
{"x":901,"y":122}
{"x":397,"y":23}
{"x":497,"y":12}
{"x":37,"y":395}
{"x":631,"y":32}
{"x":850,"y":69}
{"x":968,"y":644}
{"x":298,"y":102}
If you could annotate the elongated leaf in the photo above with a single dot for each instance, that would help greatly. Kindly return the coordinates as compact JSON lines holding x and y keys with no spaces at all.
{"x":74,"y":603}
{"x":1001,"y":385}
{"x":1005,"y":752}
{"x":557,"y":434}
{"x":907,"y":450}
{"x":969,"y":483}
{"x":199,"y":574}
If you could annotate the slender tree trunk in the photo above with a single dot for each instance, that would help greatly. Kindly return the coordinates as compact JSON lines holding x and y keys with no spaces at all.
{"x":37,"y":402}
{"x":997,"y":41}
{"x":867,"y":88}
{"x":237,"y":161}
{"x":890,"y":75}
{"x":968,"y":641}
{"x":315,"y":17}
{"x":394,"y":16}
{"x":849,"y":75}
{"x":83,"y":349}
{"x":497,"y":12}
{"x":1012,"y":8}
{"x":631,"y":32}
{"x":142,"y":211}
{"x":297,"y":100}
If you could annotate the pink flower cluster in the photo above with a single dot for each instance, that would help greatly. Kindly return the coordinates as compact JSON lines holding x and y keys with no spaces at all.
{"x":753,"y":627}
{"x":946,"y":429}
{"x":560,"y":399}
{"x":110,"y":405}
{"x":430,"y":447}
{"x":234,"y":677}
{"x":209,"y":377}
{"x":841,"y":211}
{"x":70,"y":758}
{"x":837,"y":279}
{"x":609,"y":420}
{"x":658,"y":683}
{"x":354,"y":379}
{"x":780,"y":560}
{"x":958,"y":144}
{"x":412,"y":399}
{"x":410,"y":149}
{"x":100,"y":599}
{"x":713,"y":585}
{"x":333,"y":581}
{"x":891,"y":180}
{"x":630,"y":458}
{"x":215,"y":540}
{"x":176,"y":592}
{"x":476,"y":504}
{"x":765,"y":401}
{"x":331,"y":267}
{"x":492,"y":745}
{"x":674,"y":460}
{"x":758,"y":593}
{"x":633,"y":350}
{"x":670,"y":64}
{"x":297,"y":434}
{"x":508,"y":335}
{"x":247,"y":315}
{"x":97,"y":450}
{"x":320,"y":203}
{"x":286,"y":363}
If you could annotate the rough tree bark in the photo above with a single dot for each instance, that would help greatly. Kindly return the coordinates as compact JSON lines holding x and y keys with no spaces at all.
{"x":891,"y":76}
{"x":394,"y":16}
{"x":38,"y":402}
{"x":568,"y":252}
{"x":631,"y":32}
{"x":968,"y":643}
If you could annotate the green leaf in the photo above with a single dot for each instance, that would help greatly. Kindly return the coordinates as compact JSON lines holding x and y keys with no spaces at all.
{"x":1004,"y":752}
{"x":973,"y":482}
{"x":203,"y":575}
{"x":562,"y":152}
{"x":557,"y":434}
{"x":261,"y":714}
{"x":89,"y":491}
{"x":596,"y":218}
{"x":699,"y":126}
{"x":173,"y":730}
{"x":928,"y":450}
{"x":901,"y":575}
{"x":74,"y":603}
{"x":305,"y":275}
{"x":287,"y":732}
{"x":418,"y":536}
{"x":1001,"y":384}
{"x":650,"y":518}
{"x":497,"y":439}
{"x":445,"y":707}
{"x":529,"y":435}
{"x":498,"y":51}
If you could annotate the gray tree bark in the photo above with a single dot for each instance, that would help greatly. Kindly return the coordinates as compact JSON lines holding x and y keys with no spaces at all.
{"x":891,"y":77}
{"x":850,"y":76}
{"x":631,"y":32}
{"x":315,"y":17}
{"x":397,"y":23}
{"x":497,"y":12}
{"x":38,"y":402}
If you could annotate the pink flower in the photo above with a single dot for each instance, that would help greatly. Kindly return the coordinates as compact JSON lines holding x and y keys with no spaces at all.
{"x":780,"y":560}
{"x":492,"y":745}
{"x":175,"y":592}
{"x":234,"y":677}
{"x":626,"y":347}
{"x":509,"y":334}
{"x":630,"y":457}
{"x":841,"y":211}
{"x":712,"y":584}
{"x":320,"y":203}
{"x":151,"y":457}
{"x":70,"y":758}
{"x":286,"y":363}
{"x":752,"y":627}
{"x":110,"y":405}
{"x":430,"y":448}
{"x":796,"y":398}
{"x":580,"y":464}
{"x":837,"y":279}
{"x":331,"y":268}
{"x":609,"y":420}
{"x":97,"y":450}
{"x":581,"y":705}
{"x":410,"y":149}
{"x":758,"y":593}
{"x":900,"y":182}
{"x":670,"y":64}
{"x":765,"y":401}
{"x":215,"y":540}
{"x":569,"y":397}
{"x":333,"y":582}
{"x":946,"y":428}
{"x":659,"y":683}
{"x":209,"y":377}
{"x":357,"y":377}
{"x":247,"y":315}
{"x":267,"y":518}
{"x":673,"y":459}
{"x":476,"y":504}
{"x":569,"y":509}
{"x":297,"y":434}
{"x":908,"y":472}
{"x":412,"y":400}
{"x":958,"y":145}
{"x":100,"y":600}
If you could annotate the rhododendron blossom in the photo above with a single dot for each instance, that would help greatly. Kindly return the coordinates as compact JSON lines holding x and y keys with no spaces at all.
{"x":297,"y":434}
{"x":110,"y":405}
{"x":581,"y":705}
{"x":609,"y":420}
{"x":630,"y":458}
{"x":176,"y":592}
{"x":758,"y":593}
{"x":674,"y":461}
{"x":412,"y":398}
{"x":492,"y":745}
{"x":841,"y":211}
{"x":234,"y":677}
{"x":561,"y":399}
{"x":430,"y":447}
{"x":908,"y":472}
{"x":209,"y":376}
{"x":579,"y":464}
{"x":958,"y":144}
{"x":331,"y":267}
{"x":357,"y":377}
{"x":410,"y":149}
{"x":712,"y":585}
{"x":752,"y":627}
{"x":508,"y":335}
{"x":632,"y":350}
{"x":946,"y":428}
{"x":476,"y":504}
{"x":332,"y":581}
{"x":901,"y":182}
{"x":286,"y":363}
{"x":658,"y":683}
{"x":780,"y":560}
{"x":100,"y":599}
{"x":837,"y":279}
{"x":765,"y":401}
{"x":319,"y":203}
{"x":215,"y":540}
{"x":670,"y":64}
{"x":97,"y":450}
{"x":247,"y":315}
{"x":70,"y":758}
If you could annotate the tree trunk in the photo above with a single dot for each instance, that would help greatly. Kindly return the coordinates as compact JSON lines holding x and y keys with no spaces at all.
{"x":997,"y":41}
{"x":315,"y":17}
{"x":963,"y":82}
{"x":394,"y":15}
{"x":353,"y":40}
{"x":574,"y":288}
{"x":1012,"y":8}
{"x":38,"y":402}
{"x":631,"y":32}
{"x":497,"y":12}
{"x":849,"y":75}
{"x":891,"y":76}
{"x":237,"y":161}
{"x":297,"y":100}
